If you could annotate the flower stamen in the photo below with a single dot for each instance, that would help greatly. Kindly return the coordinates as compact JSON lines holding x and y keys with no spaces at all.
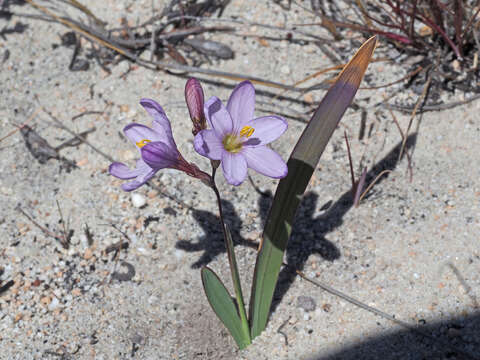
{"x":247,"y":131}
{"x":142,"y":143}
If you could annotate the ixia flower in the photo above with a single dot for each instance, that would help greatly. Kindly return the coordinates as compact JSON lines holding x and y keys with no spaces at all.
{"x":157,"y":148}
{"x":238,"y":140}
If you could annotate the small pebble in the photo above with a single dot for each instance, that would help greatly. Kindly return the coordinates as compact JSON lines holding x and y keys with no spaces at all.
{"x":18,"y":317}
{"x":152,"y":300}
{"x":456,"y":65}
{"x":308,"y":98}
{"x":285,"y":70}
{"x":53,"y":304}
{"x":327,"y":307}
{"x":45,"y":300}
{"x":138,"y":200}
{"x":307,"y":303}
{"x":88,"y":254}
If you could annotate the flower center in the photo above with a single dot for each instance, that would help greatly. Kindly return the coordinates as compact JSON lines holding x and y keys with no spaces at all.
{"x":233,"y":143}
{"x":142,"y":143}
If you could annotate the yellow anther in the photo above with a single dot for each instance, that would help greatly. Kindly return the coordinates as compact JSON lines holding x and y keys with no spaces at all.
{"x":142,"y":143}
{"x":247,"y":131}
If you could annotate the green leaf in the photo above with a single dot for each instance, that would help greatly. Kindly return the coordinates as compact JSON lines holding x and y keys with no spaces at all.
{"x":223,"y":305}
{"x":301,"y":164}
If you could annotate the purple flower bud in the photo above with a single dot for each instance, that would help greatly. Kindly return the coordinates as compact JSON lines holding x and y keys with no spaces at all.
{"x":195,"y":100}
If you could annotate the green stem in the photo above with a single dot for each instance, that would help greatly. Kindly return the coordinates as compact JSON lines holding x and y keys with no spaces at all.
{"x":233,"y":263}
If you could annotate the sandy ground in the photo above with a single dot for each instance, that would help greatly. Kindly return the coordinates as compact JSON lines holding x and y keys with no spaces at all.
{"x":410,"y":249}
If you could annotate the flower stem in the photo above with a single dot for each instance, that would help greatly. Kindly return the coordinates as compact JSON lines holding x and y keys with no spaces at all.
{"x":233,"y":263}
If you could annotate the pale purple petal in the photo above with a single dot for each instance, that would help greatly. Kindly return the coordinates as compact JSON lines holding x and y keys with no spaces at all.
{"x":234,"y":168}
{"x":265,"y":161}
{"x":142,"y":173}
{"x":139,"y":181}
{"x":159,"y":155}
{"x":267,"y":129}
{"x":138,"y":132}
{"x":241,"y":105}
{"x":160,"y":124}
{"x":218,"y":116}
{"x":207,"y":144}
{"x":122,"y":171}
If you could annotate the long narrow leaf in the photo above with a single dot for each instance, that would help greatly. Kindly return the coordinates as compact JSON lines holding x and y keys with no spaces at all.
{"x":301,"y":165}
{"x":223,"y":305}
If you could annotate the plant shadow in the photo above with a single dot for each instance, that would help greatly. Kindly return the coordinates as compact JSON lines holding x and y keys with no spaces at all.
{"x":461,"y":332}
{"x":308,"y":234}
{"x":212,"y":242}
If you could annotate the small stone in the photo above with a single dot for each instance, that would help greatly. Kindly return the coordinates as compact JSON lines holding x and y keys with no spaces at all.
{"x":18,"y":317}
{"x":153,"y":300}
{"x":138,"y":200}
{"x":456,"y":65}
{"x":308,"y":98}
{"x":327,"y":307}
{"x":310,"y":49}
{"x":45,"y":300}
{"x":152,"y":193}
{"x":53,"y":304}
{"x":88,"y":254}
{"x":263,"y":42}
{"x":137,"y":339}
{"x":143,"y":251}
{"x":132,"y":113}
{"x":76,"y":292}
{"x":425,"y":30}
{"x":82,"y":162}
{"x":285,"y":70}
{"x":307,"y":303}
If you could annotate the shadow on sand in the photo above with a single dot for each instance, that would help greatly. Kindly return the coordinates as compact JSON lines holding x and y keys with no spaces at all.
{"x":461,"y":332}
{"x":308,"y":235}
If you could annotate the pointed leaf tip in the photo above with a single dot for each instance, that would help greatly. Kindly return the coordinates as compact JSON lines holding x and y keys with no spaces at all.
{"x":353,"y":72}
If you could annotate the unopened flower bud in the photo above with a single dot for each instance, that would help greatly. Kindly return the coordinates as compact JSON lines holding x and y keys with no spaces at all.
{"x":195,"y":100}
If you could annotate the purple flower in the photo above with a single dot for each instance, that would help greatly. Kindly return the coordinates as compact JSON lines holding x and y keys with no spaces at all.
{"x":239,"y":140}
{"x":157,"y":148}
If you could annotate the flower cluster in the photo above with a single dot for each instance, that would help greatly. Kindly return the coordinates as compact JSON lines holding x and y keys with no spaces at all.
{"x":235,"y":138}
